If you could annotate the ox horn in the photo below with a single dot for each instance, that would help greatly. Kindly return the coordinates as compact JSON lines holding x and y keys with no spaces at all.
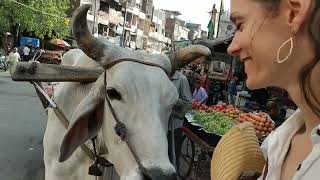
{"x":89,"y":44}
{"x":185,"y":56}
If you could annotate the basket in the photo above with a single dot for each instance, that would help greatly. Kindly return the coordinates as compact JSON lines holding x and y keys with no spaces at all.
{"x":238,"y":151}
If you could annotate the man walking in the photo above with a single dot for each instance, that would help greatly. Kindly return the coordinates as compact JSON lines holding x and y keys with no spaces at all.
{"x":26,"y":53}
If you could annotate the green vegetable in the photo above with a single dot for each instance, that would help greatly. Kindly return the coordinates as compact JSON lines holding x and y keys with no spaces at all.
{"x":214,"y":122}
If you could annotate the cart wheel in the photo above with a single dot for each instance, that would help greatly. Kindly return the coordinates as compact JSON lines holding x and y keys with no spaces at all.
{"x":186,"y":159}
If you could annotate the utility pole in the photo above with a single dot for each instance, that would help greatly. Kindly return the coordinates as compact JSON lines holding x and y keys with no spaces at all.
{"x":221,"y":9}
{"x":94,"y":16}
{"x":122,"y":42}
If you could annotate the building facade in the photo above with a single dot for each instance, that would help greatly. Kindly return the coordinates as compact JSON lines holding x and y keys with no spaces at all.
{"x":135,"y":17}
{"x":195,"y":30}
{"x":226,"y":27}
{"x":175,"y":28}
{"x":156,"y":37}
{"x":136,"y":24}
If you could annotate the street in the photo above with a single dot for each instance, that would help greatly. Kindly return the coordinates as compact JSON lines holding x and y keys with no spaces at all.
{"x":22,"y":125}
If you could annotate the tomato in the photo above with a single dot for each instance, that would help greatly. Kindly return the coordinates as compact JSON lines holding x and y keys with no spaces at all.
{"x":258,"y":132}
{"x":259,"y":128}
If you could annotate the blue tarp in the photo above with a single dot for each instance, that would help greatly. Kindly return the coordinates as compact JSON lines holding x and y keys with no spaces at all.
{"x":30,"y":41}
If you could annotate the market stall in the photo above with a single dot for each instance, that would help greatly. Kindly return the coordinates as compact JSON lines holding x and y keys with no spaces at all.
{"x":205,"y":126}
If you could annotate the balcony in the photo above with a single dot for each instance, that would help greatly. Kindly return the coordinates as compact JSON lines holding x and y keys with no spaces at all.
{"x":160,"y":37}
{"x":136,"y":11}
{"x":155,"y":19}
{"x":153,"y":35}
{"x":103,"y":18}
{"x":139,"y":32}
{"x":142,"y":15}
{"x":133,"y":28}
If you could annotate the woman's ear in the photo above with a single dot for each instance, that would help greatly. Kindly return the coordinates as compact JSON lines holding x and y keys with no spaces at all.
{"x":299,"y":13}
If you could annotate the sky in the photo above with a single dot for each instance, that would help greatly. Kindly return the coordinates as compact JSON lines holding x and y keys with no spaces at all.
{"x":195,"y":11}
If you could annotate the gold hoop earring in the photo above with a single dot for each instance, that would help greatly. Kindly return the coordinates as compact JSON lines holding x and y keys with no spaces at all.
{"x":290,"y":52}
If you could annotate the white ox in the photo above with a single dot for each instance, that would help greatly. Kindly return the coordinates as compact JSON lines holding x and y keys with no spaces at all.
{"x":142,"y":96}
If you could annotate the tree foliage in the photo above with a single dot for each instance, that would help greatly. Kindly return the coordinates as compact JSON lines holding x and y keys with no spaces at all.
{"x":30,"y":20}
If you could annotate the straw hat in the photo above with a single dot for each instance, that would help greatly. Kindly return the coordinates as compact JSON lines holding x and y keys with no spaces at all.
{"x":238,"y":151}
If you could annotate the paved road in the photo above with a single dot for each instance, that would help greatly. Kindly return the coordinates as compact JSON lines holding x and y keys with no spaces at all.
{"x":22,"y":125}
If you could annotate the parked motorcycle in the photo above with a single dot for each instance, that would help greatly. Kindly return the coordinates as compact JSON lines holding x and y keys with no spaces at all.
{"x":3,"y":62}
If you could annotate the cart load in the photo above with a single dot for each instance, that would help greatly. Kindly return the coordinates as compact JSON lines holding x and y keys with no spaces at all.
{"x":214,"y":122}
{"x":227,"y":110}
{"x":262,"y":122}
{"x":218,"y":119}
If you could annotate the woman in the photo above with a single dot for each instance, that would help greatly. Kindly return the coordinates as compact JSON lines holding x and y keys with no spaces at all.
{"x":14,"y":58}
{"x":279,"y":43}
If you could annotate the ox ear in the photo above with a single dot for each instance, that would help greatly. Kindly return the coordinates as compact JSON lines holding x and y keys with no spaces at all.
{"x":180,"y":108}
{"x":86,"y":122}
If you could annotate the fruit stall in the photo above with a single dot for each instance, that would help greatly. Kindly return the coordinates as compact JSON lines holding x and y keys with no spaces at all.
{"x":204,"y":127}
{"x":220,"y":118}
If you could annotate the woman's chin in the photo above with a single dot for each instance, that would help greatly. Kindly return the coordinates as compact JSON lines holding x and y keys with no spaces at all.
{"x":254,"y":83}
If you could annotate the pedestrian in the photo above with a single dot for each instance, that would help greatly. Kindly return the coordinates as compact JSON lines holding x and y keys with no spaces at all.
{"x":182,"y":85}
{"x":274,"y":111}
{"x":194,"y":75}
{"x":13,"y":59}
{"x":26,"y":53}
{"x":200,"y":95}
{"x":205,"y":80}
{"x":232,"y":90}
{"x":279,"y":43}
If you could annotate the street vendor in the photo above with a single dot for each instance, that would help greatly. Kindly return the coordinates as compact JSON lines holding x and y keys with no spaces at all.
{"x":182,"y":85}
{"x":288,"y":57}
{"x":200,"y":95}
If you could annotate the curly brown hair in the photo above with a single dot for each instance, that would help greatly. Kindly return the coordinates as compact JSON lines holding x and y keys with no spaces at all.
{"x":305,"y":73}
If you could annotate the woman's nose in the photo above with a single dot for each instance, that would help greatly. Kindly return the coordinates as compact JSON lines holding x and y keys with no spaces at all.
{"x":234,"y":48}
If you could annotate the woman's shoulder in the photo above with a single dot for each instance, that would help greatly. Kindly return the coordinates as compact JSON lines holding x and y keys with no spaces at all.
{"x":282,"y":134}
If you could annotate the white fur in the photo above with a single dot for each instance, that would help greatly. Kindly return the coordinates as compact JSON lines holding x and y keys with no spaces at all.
{"x":148,"y":95}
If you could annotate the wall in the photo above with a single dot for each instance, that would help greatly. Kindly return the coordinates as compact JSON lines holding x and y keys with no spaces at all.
{"x":90,"y":16}
{"x":169,"y":28}
{"x":226,"y":27}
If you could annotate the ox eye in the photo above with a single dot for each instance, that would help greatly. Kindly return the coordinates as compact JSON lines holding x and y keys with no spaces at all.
{"x":114,"y":94}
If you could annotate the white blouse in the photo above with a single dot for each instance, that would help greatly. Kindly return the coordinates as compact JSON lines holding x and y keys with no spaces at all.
{"x":277,"y":144}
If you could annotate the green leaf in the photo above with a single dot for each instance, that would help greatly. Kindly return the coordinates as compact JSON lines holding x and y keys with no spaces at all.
{"x":42,"y":24}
